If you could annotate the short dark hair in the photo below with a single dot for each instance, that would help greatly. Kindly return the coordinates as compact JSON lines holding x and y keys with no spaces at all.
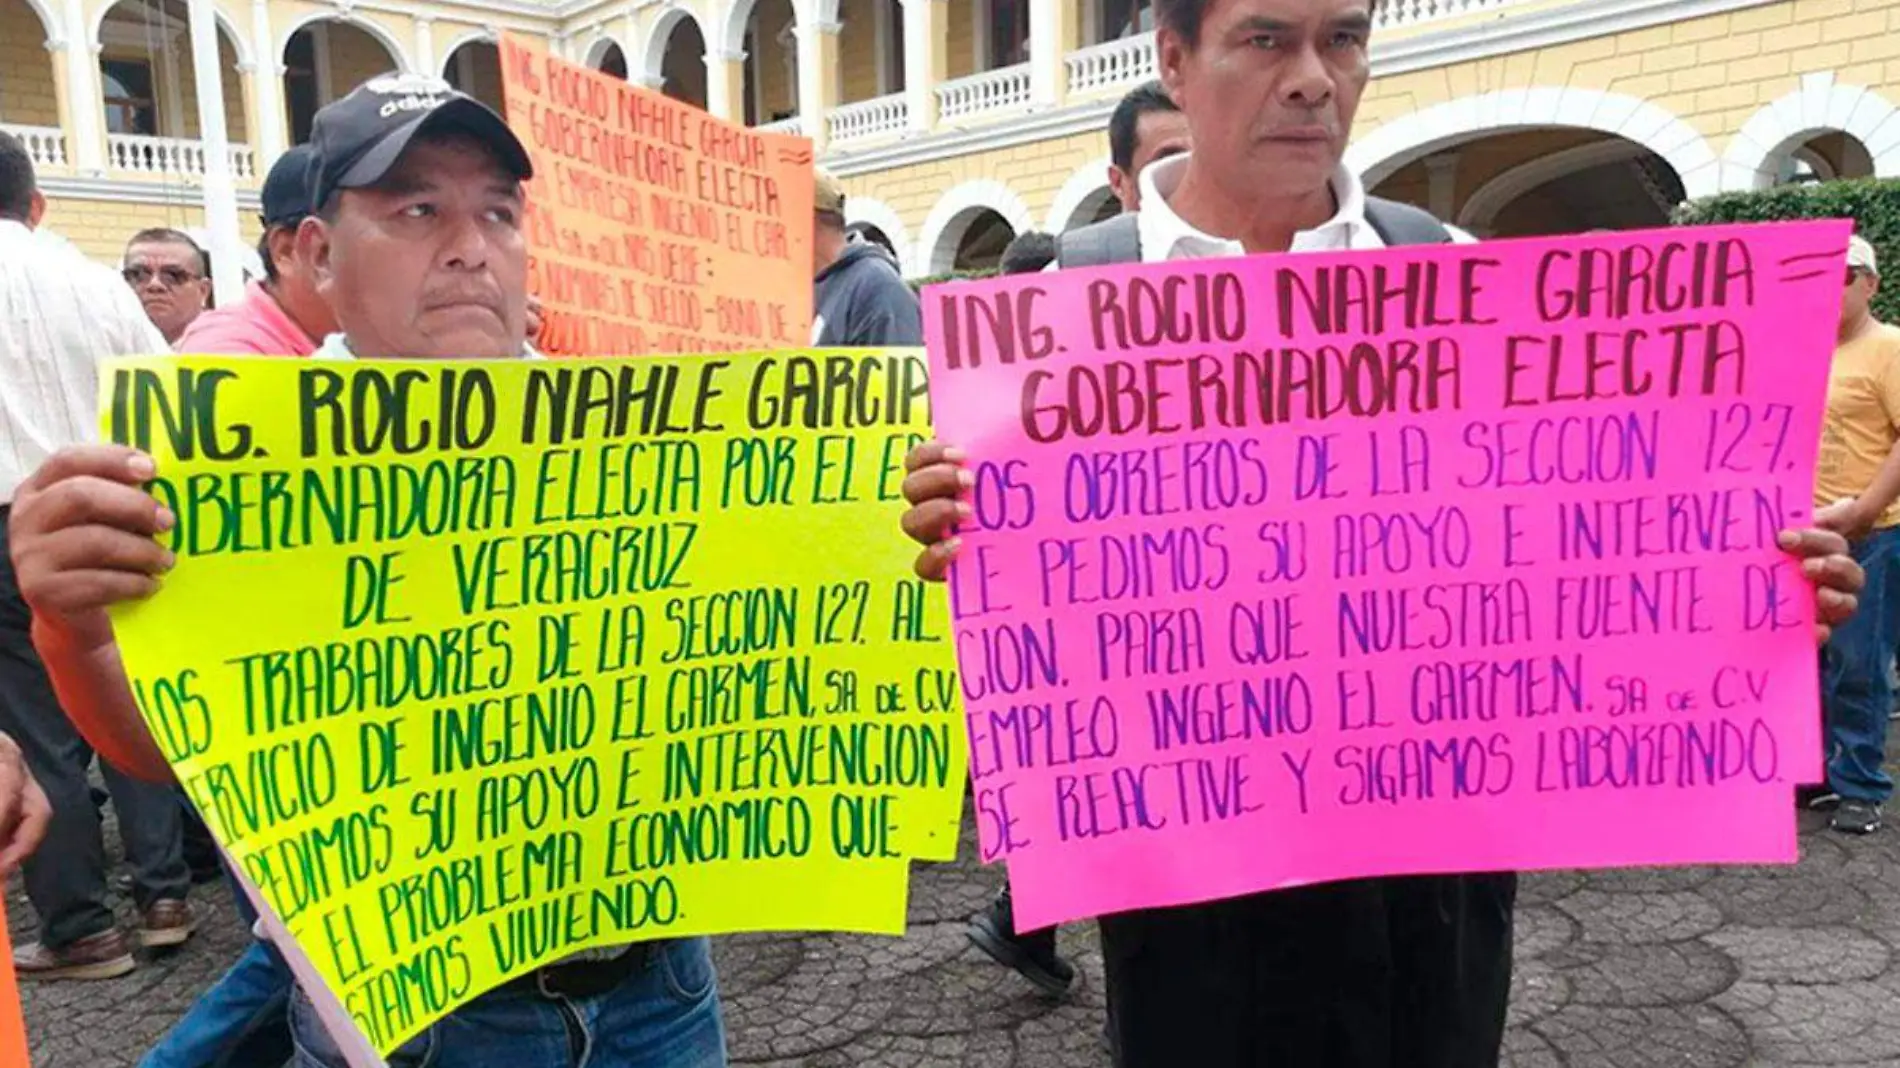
{"x":1184,"y":17}
{"x":871,"y":234}
{"x":263,"y":254}
{"x":164,"y":235}
{"x":1125,"y":123}
{"x":1028,"y":252}
{"x":17,"y":183}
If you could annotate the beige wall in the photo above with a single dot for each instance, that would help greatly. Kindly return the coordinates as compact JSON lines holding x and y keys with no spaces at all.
{"x":962,"y":37}
{"x":26,"y":68}
{"x":355,"y":57}
{"x":100,"y":228}
{"x":236,"y":126}
{"x":778,"y":91}
{"x":857,"y":48}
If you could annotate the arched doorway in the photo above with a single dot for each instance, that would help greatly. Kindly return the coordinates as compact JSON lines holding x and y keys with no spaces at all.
{"x":610,"y":60}
{"x":770,"y":44}
{"x":475,"y":68}
{"x":980,"y":245}
{"x":1541,"y":181}
{"x":29,"y":109}
{"x":323,"y":60}
{"x":149,"y":90}
{"x":1824,"y":157}
{"x":682,"y":66}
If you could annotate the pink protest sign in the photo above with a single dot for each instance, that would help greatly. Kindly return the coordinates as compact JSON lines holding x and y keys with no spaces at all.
{"x":1300,"y":568}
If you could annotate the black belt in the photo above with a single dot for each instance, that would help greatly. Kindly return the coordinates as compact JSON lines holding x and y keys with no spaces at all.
{"x":585,"y":978}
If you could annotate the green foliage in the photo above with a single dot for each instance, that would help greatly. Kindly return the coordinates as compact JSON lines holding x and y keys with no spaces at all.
{"x":918,"y":284}
{"x":1873,"y":204}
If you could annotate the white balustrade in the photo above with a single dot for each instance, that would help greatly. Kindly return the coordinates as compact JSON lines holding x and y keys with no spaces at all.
{"x":45,"y":145}
{"x":793,"y":125}
{"x":1122,"y":62}
{"x":171,"y":157}
{"x":992,"y":90}
{"x":1412,"y":12}
{"x":1112,"y":64}
{"x":870,"y":118}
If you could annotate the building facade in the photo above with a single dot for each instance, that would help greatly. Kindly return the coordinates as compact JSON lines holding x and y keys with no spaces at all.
{"x":957,"y":123}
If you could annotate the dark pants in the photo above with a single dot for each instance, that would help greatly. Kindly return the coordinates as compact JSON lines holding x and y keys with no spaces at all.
{"x":1856,"y":690}
{"x":66,"y":879}
{"x":1373,"y":973}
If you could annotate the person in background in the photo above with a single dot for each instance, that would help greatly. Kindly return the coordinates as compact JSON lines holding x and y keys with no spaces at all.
{"x":283,"y":315}
{"x":24,"y":810}
{"x":61,"y":315}
{"x":1030,"y":954}
{"x":861,"y":299}
{"x":1145,"y":126}
{"x":417,"y":244}
{"x":1028,"y":252}
{"x":1857,"y":493}
{"x":1395,"y":972}
{"x":864,"y":233}
{"x":172,"y":277}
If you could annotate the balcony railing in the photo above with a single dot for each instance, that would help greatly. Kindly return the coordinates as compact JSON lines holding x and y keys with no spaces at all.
{"x":1112,"y":64}
{"x":1393,"y":13}
{"x":171,"y":157}
{"x":878,"y":116}
{"x":992,"y":90}
{"x":45,"y":145}
{"x":793,"y":125}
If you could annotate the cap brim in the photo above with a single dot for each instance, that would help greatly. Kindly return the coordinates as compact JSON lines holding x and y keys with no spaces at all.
{"x":469,"y":116}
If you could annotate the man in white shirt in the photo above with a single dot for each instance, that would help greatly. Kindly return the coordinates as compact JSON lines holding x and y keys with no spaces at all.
{"x":1370,"y":973}
{"x":60,"y":315}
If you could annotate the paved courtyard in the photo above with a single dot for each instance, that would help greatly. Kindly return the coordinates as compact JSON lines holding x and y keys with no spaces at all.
{"x":1692,"y":968}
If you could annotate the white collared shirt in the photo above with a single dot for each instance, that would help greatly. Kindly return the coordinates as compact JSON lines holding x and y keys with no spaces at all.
{"x":61,"y":315}
{"x":1167,"y":236}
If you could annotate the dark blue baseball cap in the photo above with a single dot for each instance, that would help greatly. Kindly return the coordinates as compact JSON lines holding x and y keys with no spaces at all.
{"x":287,"y":195}
{"x":359,"y":137}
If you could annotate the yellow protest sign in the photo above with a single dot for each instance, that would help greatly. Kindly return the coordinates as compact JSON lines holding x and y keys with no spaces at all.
{"x":474,"y":664}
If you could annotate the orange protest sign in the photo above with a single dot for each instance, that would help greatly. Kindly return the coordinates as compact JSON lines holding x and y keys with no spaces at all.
{"x":12,"y":1020}
{"x":654,"y":227}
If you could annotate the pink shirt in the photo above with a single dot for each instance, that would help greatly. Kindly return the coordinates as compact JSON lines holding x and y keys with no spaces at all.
{"x":254,"y":326}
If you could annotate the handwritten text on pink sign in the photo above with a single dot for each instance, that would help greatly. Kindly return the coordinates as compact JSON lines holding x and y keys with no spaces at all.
{"x":1299,"y":568}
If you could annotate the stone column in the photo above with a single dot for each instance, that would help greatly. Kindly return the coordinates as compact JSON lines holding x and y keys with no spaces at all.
{"x":926,"y":59}
{"x":424,"y":57}
{"x":725,"y":84}
{"x":817,"y":77}
{"x":1441,"y":184}
{"x":1052,"y":34}
{"x":85,"y":99}
{"x":267,"y":91}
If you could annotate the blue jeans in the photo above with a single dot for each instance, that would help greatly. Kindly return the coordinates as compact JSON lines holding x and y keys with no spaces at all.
{"x":1856,"y":693}
{"x":241,"y":1022}
{"x":666,"y":1015}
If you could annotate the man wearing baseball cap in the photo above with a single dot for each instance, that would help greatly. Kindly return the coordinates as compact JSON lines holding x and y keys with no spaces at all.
{"x":1857,"y":492}
{"x":416,"y":243}
{"x":283,"y":315}
{"x":861,"y":299}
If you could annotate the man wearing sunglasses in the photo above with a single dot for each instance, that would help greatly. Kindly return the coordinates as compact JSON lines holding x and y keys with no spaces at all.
{"x":1857,"y":493}
{"x":172,"y":277}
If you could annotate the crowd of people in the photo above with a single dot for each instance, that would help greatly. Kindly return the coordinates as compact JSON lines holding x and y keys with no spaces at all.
{"x":396,"y":233}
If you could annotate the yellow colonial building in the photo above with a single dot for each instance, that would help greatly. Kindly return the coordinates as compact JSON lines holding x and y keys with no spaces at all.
{"x":958,"y":123}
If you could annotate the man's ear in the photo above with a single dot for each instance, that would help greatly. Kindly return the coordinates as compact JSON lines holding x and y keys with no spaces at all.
{"x":1116,"y":182}
{"x":1171,"y":54}
{"x":313,"y":250}
{"x":36,"y":210}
